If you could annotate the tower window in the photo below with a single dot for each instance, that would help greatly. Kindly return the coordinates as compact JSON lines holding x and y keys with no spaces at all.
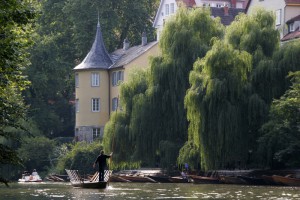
{"x":95,"y":79}
{"x":76,"y":80}
{"x":95,"y":104}
{"x":115,"y":102}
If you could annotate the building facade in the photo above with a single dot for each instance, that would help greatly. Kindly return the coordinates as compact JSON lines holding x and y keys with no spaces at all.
{"x":97,"y":83}
{"x":284,"y":10}
{"x":218,"y":9}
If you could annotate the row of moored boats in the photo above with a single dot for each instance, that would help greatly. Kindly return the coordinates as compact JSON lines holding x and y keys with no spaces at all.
{"x":222,"y":179}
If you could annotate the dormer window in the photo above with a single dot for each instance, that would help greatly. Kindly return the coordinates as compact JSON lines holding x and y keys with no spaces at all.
{"x":291,"y":27}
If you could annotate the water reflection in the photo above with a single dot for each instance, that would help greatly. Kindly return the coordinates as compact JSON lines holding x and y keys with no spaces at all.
{"x":146,"y":191}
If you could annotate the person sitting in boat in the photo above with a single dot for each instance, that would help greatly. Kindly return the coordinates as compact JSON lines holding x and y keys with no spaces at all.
{"x":183,"y":174}
{"x":34,"y":173}
{"x":101,"y":160}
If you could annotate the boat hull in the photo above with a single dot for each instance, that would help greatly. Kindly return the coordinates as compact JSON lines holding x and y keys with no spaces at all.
{"x":161,"y":179}
{"x":204,"y":180}
{"x":178,"y":179}
{"x":91,"y":185}
{"x":231,"y":180}
{"x":288,"y":181}
{"x":139,"y":179}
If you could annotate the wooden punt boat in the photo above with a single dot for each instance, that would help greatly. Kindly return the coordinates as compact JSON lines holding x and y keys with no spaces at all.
{"x":77,"y":181}
{"x":232,"y":180}
{"x":252,"y":180}
{"x":116,"y":178}
{"x":204,"y":179}
{"x":269,"y":180}
{"x":88,"y":184}
{"x":140,"y":179}
{"x":288,"y":181}
{"x":178,"y":179}
{"x":160,"y":179}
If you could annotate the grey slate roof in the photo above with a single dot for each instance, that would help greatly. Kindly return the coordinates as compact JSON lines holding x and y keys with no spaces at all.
{"x":97,"y":58}
{"x":226,"y":19}
{"x":122,"y":57}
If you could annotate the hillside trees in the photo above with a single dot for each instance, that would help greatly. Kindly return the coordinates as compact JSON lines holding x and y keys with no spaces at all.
{"x":16,"y":21}
{"x":154,"y":123}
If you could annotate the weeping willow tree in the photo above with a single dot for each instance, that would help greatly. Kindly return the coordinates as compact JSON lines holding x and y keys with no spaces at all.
{"x":232,"y":88}
{"x":153,"y":125}
{"x":215,"y":107}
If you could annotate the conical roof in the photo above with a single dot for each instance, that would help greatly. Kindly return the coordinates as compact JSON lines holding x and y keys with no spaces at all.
{"x":97,"y":58}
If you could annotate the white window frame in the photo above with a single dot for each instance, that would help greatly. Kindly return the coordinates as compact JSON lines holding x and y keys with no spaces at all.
{"x":96,"y":133}
{"x":95,"y":104}
{"x":95,"y":79}
{"x":77,"y":105}
{"x":291,"y":27}
{"x":77,"y":80}
{"x":172,"y":8}
{"x":278,"y":17}
{"x":167,"y":9}
{"x":116,"y":77}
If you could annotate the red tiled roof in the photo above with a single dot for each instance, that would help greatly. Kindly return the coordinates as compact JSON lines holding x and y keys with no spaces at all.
{"x":292,"y":1}
{"x":189,"y":3}
{"x":291,"y":35}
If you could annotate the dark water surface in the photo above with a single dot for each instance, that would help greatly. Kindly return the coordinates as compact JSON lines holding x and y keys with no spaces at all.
{"x":57,"y":191}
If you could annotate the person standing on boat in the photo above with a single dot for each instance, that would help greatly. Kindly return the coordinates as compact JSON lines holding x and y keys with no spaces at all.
{"x":101,"y":160}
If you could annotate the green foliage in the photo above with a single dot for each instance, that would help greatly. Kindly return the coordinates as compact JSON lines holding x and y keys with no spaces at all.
{"x":190,"y":154}
{"x":232,"y":88}
{"x":36,"y":153}
{"x":62,"y":44}
{"x":280,"y":142}
{"x":79,"y":156}
{"x":215,"y":105}
{"x":16,"y":20}
{"x":254,"y":33}
{"x":153,"y":126}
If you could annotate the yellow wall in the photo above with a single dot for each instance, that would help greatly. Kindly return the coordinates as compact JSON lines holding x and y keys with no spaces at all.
{"x":106,"y":92}
{"x":85,"y":92}
{"x":140,"y":62}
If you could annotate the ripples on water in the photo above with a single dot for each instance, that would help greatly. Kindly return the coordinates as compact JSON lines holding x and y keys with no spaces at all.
{"x":146,"y":191}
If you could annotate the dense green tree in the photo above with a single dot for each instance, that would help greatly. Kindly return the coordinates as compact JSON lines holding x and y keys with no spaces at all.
{"x":51,"y":72}
{"x":16,"y":20}
{"x":79,"y":156}
{"x":154,"y":124}
{"x":280,"y":142}
{"x":232,"y":88}
{"x":36,"y":153}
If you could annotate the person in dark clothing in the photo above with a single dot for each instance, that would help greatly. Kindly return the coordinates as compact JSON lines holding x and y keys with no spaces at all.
{"x":101,"y":160}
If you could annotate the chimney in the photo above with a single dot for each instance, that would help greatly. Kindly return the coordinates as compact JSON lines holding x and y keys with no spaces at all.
{"x":125,"y":44}
{"x":144,"y":38}
{"x":233,"y":3}
{"x":226,"y":10}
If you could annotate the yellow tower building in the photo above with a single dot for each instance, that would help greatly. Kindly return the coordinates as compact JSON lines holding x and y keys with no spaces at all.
{"x":97,"y":81}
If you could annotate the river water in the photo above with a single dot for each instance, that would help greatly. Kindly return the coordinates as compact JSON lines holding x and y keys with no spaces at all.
{"x":57,"y":191}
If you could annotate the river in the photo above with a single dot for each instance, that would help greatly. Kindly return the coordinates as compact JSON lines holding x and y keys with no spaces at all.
{"x":118,"y":191}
